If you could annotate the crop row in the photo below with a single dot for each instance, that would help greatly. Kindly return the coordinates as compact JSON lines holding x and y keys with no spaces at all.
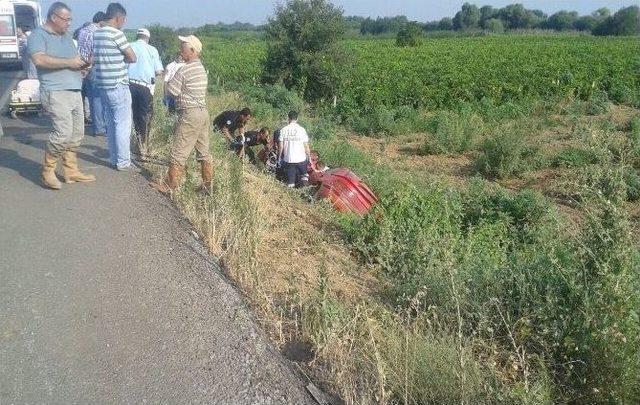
{"x":440,"y":73}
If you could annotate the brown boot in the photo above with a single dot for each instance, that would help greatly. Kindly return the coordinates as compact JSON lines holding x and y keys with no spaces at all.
{"x":174,"y":175}
{"x":206,"y":169}
{"x":49,"y":178}
{"x":70,"y":171}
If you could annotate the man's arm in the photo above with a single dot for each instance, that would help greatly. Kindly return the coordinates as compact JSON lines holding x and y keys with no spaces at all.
{"x":45,"y":61}
{"x":125,"y":48}
{"x":280,"y":149}
{"x":226,"y":133}
{"x":307,"y":150}
{"x":129,"y":55}
{"x":158,"y":63}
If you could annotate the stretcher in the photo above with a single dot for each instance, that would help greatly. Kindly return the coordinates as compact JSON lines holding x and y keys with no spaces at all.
{"x":25,"y":98}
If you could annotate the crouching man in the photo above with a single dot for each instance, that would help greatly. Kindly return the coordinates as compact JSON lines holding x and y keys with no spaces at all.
{"x":58,"y":65}
{"x":189,"y":87}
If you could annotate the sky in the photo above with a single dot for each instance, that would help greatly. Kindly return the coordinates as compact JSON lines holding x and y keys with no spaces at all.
{"x":193,"y":13}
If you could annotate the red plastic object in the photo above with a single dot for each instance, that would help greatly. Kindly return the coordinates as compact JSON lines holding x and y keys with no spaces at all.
{"x":344,"y":189}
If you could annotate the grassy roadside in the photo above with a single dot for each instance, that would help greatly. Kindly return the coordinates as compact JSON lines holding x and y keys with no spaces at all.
{"x":441,"y":296}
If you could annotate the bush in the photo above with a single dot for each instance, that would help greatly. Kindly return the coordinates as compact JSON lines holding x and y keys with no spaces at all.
{"x":409,"y":35}
{"x":379,"y":121}
{"x":597,"y":104}
{"x":621,"y":93}
{"x":632,"y":182}
{"x":575,"y":157}
{"x":503,"y":154}
{"x":523,"y":211}
{"x":270,"y":100}
{"x":301,"y":51}
{"x":634,"y":136}
{"x":494,"y":25}
{"x":453,"y":133}
{"x":321,"y":129}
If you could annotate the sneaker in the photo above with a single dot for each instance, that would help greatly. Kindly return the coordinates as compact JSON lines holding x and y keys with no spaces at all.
{"x":124,"y":168}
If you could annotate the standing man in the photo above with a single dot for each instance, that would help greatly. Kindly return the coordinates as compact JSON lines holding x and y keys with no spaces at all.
{"x":228,"y":122}
{"x":110,"y":52}
{"x":58,"y":66}
{"x":189,"y":87}
{"x":294,"y":150}
{"x":85,"y":48}
{"x":142,"y":79}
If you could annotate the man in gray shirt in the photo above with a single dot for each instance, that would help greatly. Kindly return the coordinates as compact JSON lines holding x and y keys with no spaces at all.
{"x":58,"y":64}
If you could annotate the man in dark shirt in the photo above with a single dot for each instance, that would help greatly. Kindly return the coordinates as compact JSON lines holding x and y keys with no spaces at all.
{"x":242,"y":144}
{"x":231,"y":121}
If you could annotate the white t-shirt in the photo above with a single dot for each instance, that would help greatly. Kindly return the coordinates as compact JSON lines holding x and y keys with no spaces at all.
{"x":293,"y":138}
{"x":171,"y":70}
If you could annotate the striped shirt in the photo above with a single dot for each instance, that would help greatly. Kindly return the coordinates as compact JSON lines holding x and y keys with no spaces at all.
{"x":109,"y":44}
{"x":189,"y":85}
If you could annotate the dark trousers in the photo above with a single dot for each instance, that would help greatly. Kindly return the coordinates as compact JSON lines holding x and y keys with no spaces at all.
{"x":142,"y":108}
{"x":294,"y":172}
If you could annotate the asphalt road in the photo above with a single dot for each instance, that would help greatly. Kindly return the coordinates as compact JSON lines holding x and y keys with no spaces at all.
{"x":106,"y":297}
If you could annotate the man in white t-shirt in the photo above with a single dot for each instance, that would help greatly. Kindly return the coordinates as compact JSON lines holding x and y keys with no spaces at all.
{"x":294,"y":150}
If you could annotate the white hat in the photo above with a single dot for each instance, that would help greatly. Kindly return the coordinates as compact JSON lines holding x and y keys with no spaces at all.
{"x":145,"y":32}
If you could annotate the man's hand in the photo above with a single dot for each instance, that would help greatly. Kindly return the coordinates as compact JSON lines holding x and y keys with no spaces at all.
{"x":225,"y":132}
{"x":77,"y":63}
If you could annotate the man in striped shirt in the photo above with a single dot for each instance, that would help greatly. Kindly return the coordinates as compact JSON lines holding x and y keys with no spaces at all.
{"x":110,"y":52}
{"x":189,"y":87}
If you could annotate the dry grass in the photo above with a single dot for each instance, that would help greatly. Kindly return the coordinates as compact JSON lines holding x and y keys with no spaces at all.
{"x":275,"y":245}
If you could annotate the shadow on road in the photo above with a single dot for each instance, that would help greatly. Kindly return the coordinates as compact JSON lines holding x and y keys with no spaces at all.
{"x":26,"y":168}
{"x":97,"y":155}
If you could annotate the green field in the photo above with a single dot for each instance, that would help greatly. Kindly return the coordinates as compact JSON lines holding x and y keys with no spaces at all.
{"x":444,"y":72}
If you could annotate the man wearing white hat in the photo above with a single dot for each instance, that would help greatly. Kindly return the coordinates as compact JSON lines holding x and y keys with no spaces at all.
{"x":189,"y":87}
{"x":142,"y":78}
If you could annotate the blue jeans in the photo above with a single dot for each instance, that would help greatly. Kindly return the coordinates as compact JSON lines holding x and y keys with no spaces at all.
{"x":117,"y":108}
{"x":98,"y":124}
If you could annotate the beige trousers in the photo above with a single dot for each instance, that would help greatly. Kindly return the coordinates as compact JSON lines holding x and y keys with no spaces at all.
{"x":192,"y":131}
{"x":67,"y":115}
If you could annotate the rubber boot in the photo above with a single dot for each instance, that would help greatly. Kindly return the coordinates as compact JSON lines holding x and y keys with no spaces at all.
{"x":206,"y":169}
{"x":49,"y":178}
{"x":174,"y":175}
{"x":70,"y":171}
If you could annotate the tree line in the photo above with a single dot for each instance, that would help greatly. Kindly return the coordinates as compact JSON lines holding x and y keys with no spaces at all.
{"x":512,"y":17}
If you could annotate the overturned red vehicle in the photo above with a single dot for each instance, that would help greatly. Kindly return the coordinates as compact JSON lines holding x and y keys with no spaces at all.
{"x":340,"y":186}
{"x":344,"y":189}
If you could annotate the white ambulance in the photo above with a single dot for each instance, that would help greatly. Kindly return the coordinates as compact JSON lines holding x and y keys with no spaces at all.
{"x":9,"y":51}
{"x":23,"y":14}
